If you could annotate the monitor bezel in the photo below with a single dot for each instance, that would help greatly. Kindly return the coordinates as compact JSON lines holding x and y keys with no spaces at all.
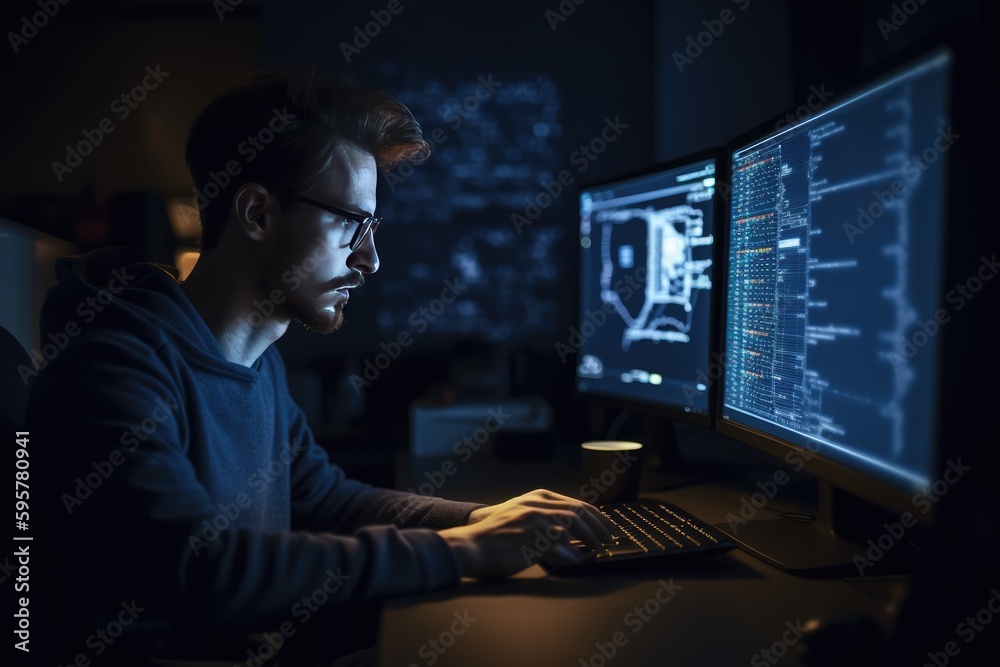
{"x":885,"y":492}
{"x":649,"y":407}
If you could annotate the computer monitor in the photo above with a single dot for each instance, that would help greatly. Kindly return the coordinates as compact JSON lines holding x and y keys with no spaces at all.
{"x":833,"y":300}
{"x":647,"y":269}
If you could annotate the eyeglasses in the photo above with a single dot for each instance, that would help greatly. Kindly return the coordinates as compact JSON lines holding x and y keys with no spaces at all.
{"x":364,"y":222}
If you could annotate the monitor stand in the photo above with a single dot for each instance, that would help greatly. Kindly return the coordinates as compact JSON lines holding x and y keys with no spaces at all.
{"x":661,"y":439}
{"x":818,"y":548}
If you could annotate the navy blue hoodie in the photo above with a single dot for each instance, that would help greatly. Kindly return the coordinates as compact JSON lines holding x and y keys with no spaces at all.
{"x":187,"y":490}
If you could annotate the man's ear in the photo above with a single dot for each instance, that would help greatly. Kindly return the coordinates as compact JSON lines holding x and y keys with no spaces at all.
{"x":250,"y":208}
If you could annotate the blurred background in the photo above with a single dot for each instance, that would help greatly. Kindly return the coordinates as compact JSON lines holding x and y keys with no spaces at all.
{"x":509,"y":94}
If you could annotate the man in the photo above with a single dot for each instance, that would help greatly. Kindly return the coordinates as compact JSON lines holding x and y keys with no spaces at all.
{"x":192,"y":507}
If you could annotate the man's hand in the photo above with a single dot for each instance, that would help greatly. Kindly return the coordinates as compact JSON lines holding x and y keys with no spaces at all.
{"x":493,"y":542}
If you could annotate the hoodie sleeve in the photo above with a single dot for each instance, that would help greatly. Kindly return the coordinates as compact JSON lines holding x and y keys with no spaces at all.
{"x":148,"y":522}
{"x":323,"y":498}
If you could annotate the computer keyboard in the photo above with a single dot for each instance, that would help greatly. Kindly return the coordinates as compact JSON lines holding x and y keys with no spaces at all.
{"x":650,"y":529}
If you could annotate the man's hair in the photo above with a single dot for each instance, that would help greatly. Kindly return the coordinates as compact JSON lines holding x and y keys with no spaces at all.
{"x":283,"y":129}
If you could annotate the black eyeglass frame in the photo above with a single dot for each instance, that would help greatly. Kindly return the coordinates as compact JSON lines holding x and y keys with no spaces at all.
{"x":365,"y":222}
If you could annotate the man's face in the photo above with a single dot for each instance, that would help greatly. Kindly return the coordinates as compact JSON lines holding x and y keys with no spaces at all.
{"x":311,"y":261}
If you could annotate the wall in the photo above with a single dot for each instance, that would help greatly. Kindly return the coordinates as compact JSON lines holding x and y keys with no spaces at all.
{"x":67,"y":78}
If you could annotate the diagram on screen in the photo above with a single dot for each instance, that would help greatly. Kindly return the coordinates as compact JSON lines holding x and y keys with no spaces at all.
{"x":673,"y":276}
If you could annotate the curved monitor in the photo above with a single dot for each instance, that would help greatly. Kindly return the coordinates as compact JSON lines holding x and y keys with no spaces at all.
{"x":833,"y":282}
{"x":647,"y":264}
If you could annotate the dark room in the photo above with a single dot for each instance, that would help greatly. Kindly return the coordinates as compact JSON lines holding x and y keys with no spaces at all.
{"x":400,"y":333}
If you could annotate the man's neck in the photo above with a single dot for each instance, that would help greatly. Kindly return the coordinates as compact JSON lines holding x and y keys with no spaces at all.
{"x":222,"y":291}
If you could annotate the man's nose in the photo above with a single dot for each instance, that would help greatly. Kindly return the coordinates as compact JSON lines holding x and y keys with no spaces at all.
{"x":365,"y":258}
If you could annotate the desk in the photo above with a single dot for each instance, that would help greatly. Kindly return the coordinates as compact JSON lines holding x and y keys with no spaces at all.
{"x":724,"y":610}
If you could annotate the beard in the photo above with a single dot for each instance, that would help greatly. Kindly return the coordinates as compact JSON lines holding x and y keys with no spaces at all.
{"x":313,"y":312}
{"x":326,"y":324}
{"x":318,"y":320}
{"x":309,"y":305}
{"x":312,"y":305}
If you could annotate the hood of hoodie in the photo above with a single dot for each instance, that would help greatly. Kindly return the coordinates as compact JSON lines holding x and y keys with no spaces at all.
{"x":118,"y":288}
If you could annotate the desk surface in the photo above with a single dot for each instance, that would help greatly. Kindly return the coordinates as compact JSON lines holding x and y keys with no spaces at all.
{"x":727,"y":609}
{"x":722,"y":610}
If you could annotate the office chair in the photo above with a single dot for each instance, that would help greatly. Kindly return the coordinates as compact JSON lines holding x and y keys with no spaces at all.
{"x":13,"y":389}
